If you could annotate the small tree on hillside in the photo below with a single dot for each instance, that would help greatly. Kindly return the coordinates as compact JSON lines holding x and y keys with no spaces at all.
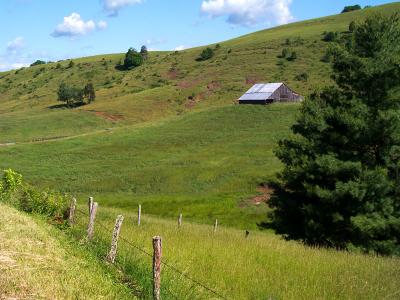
{"x":69,"y":94}
{"x":132,"y":59}
{"x":351,"y":8}
{"x":352,"y":26}
{"x":206,"y":54}
{"x":89,"y":93}
{"x":144,"y":53}
{"x":340,"y":186}
{"x":38,"y":62}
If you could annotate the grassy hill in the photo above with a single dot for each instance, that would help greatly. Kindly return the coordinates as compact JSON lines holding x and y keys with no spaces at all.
{"x":36,"y":262}
{"x":166,"y":134}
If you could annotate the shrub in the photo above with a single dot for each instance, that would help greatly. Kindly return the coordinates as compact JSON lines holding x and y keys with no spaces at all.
{"x":301,"y":77}
{"x":351,"y":8}
{"x":206,"y":54}
{"x":352,"y":26}
{"x":38,"y":62}
{"x":284,"y":53}
{"x":292,"y":56}
{"x":132,"y":59}
{"x":71,"y":64}
{"x":330,"y":36}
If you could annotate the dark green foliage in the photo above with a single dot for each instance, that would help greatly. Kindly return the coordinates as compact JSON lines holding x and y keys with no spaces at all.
{"x":89,"y":93}
{"x":293,"y":56}
{"x":144,"y":53}
{"x":352,"y":26}
{"x":71,"y":64}
{"x":217,"y":46}
{"x":351,"y":8}
{"x":340,"y":183}
{"x":38,"y":62}
{"x":302,"y":77}
{"x":284,"y":53}
{"x":70,"y":94}
{"x":206,"y":54}
{"x":330,"y":36}
{"x":132,"y":59}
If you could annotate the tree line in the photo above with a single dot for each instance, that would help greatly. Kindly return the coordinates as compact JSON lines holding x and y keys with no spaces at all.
{"x":75,"y":96}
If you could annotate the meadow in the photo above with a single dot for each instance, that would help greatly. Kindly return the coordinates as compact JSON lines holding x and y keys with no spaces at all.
{"x":168,"y":135}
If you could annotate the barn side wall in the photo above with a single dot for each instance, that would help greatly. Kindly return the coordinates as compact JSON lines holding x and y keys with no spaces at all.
{"x":285,"y":94}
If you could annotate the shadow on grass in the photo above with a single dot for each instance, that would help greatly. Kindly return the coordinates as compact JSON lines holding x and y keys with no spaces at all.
{"x":65,"y":105}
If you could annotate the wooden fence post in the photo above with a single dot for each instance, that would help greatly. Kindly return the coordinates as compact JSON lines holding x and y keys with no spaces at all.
{"x":180,"y":220}
{"x":92,"y":217}
{"x":90,"y":204}
{"x":139,"y":214}
{"x":72,"y":208}
{"x":216,"y":225}
{"x":157,"y":253}
{"x":114,"y":242}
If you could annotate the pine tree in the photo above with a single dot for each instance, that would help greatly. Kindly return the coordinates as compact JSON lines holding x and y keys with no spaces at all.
{"x":340,"y":183}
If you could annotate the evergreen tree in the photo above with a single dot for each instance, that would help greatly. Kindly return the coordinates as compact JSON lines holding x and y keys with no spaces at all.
{"x":144,"y":53}
{"x":340,"y":183}
{"x":132,"y":59}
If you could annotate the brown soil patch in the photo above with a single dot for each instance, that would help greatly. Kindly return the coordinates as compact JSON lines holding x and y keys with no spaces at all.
{"x":107,"y":116}
{"x":213,"y":86}
{"x":252,"y":79}
{"x":264,"y":195}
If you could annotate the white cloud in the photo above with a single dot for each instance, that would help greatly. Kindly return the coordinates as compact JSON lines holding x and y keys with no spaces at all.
{"x":114,"y":6}
{"x":249,"y":12}
{"x":73,"y":26}
{"x":101,"y":25}
{"x":16,"y":44}
{"x":181,"y":47}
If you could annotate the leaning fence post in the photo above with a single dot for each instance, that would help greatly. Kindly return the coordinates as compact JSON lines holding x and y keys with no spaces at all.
{"x":139,"y":214}
{"x":71,"y":217}
{"x":216,"y":225}
{"x":114,"y":242}
{"x":92,"y":217}
{"x":90,"y":204}
{"x":157,"y":253}
{"x":180,"y":220}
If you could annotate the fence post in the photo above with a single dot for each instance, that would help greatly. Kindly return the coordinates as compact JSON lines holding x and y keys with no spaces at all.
{"x":92,"y":217}
{"x":71,"y":217}
{"x":157,"y":253}
{"x":139,"y":214}
{"x":216,"y":225}
{"x":90,"y":204}
{"x":180,"y":220}
{"x":114,"y":242}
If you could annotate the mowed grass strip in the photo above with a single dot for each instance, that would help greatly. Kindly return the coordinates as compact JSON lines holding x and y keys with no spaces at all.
{"x":262,"y":266}
{"x":37,"y":262}
{"x":205,"y":164}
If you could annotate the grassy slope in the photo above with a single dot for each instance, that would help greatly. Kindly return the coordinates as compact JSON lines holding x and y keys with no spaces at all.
{"x":205,"y":164}
{"x":36,"y":262}
{"x":263,"y":266}
{"x":161,"y":87}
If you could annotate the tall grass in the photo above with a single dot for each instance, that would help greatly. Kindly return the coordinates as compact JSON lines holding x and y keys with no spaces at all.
{"x":261,"y":266}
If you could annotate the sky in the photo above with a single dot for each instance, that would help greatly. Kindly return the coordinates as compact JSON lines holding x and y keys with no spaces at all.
{"x":53,"y":30}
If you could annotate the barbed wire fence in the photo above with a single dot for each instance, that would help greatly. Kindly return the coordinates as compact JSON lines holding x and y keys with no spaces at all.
{"x":195,"y":285}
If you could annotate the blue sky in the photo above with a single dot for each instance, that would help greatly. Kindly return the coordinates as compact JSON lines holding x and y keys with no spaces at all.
{"x":60,"y":29}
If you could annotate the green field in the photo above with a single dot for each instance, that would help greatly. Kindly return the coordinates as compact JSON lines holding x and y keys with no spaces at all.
{"x":169,"y":136}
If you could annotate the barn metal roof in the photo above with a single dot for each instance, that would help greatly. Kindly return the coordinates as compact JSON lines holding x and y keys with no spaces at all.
{"x":260,"y":91}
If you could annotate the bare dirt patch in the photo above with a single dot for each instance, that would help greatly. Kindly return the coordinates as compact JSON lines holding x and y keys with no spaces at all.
{"x":107,"y":116}
{"x":264,"y":195}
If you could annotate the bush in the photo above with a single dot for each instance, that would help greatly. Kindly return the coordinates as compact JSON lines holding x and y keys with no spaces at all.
{"x":351,"y":8}
{"x":301,"y":77}
{"x":292,"y":56}
{"x":132,"y":59}
{"x":38,"y":62}
{"x":284,"y":53}
{"x":330,"y":36}
{"x":352,"y":26}
{"x":206,"y":54}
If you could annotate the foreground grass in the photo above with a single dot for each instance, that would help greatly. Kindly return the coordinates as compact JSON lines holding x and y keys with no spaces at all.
{"x":205,"y":164}
{"x":37,"y":262}
{"x":260,"y":267}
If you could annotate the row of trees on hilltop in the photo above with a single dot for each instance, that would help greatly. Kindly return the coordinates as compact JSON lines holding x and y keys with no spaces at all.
{"x":340,"y":186}
{"x":74,"y":96}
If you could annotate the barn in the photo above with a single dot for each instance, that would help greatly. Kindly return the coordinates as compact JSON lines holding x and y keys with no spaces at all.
{"x":265,"y":93}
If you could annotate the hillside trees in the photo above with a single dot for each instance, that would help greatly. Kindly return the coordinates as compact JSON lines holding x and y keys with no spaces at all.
{"x":206,"y":54}
{"x":144,"y":53}
{"x":351,"y":8}
{"x":74,"y":96}
{"x":132,"y":59}
{"x":341,"y":179}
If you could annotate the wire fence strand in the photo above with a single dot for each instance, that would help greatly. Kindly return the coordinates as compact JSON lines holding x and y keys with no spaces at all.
{"x":163,"y":262}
